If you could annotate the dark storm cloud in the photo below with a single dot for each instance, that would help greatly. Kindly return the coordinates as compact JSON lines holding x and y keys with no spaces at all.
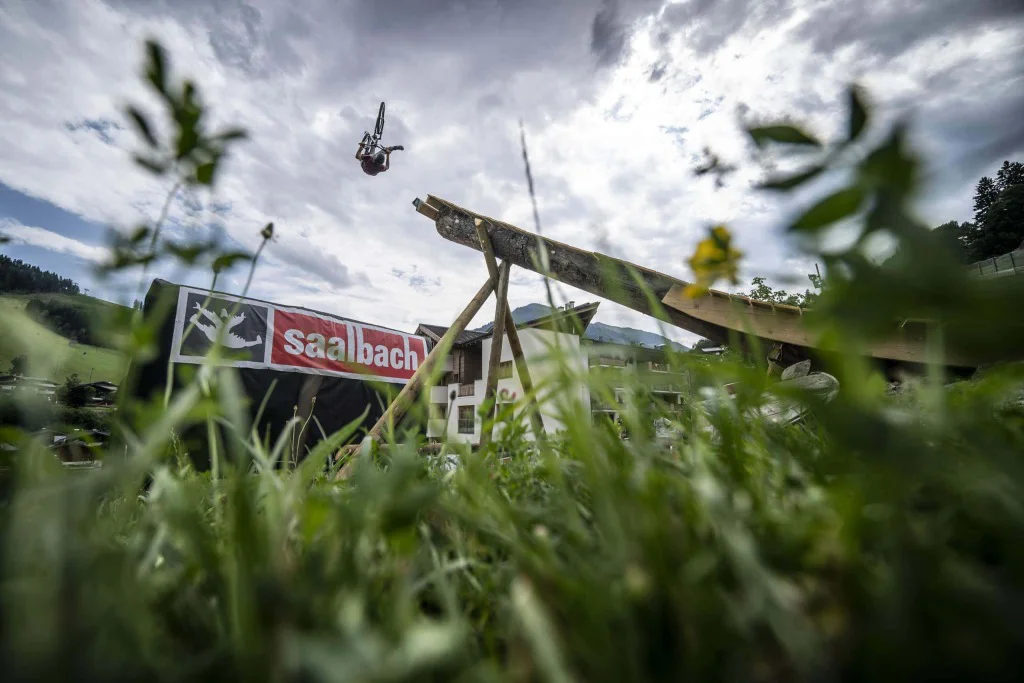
{"x":969,"y":139}
{"x":889,"y":29}
{"x":608,"y":35}
{"x":709,"y":23}
{"x":542,"y":56}
{"x":240,"y":33}
{"x":309,"y":260}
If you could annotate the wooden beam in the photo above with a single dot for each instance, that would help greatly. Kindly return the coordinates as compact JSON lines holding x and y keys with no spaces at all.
{"x":425,"y":208}
{"x":660,"y":295}
{"x":514,"y":344}
{"x":412,"y":388}
{"x":498,"y":334}
{"x":906,"y":344}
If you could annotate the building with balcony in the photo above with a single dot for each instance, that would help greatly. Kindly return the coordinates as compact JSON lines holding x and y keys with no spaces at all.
{"x":631,"y":372}
{"x":456,"y":400}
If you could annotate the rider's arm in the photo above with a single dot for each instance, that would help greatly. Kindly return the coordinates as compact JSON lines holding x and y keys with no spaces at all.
{"x":359,"y":151}
{"x":387,"y":160}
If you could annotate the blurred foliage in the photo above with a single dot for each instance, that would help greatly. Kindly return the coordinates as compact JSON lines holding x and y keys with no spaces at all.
{"x":876,"y":540}
{"x":715,"y":258}
{"x":764,"y":292}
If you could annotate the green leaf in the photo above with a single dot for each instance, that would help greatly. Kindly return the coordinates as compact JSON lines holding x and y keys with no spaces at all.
{"x":892,"y":167}
{"x":789,"y":182}
{"x":858,"y":113}
{"x":227,"y":260}
{"x":156,"y":67}
{"x":188,"y":138}
{"x":151,"y":165}
{"x":788,"y":135}
{"x":188,"y":96}
{"x":189,"y":253}
{"x":142,"y":125}
{"x":232,"y":134}
{"x":139,"y":234}
{"x":835,"y":207}
{"x":204,"y":173}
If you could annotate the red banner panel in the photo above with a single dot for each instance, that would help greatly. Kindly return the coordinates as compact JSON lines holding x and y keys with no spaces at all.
{"x":344,"y":347}
{"x":259,"y":334}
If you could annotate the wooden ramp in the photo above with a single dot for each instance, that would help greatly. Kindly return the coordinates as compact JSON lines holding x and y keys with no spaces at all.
{"x":714,"y":316}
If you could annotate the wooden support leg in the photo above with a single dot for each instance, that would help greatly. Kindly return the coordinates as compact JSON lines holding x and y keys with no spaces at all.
{"x":513,"y":335}
{"x":407,"y":396}
{"x":490,"y":393}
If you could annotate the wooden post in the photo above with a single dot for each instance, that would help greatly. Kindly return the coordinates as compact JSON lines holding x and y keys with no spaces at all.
{"x":514,"y":344}
{"x":411,"y":390}
{"x":491,"y":390}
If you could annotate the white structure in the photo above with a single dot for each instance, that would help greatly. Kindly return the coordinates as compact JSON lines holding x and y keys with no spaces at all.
{"x":455,"y":403}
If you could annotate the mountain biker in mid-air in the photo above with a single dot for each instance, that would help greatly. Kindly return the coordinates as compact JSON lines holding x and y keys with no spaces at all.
{"x":374,"y":162}
{"x":372,"y":157}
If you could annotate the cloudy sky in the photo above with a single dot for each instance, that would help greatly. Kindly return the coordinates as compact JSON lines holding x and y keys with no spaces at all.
{"x":618,"y":100}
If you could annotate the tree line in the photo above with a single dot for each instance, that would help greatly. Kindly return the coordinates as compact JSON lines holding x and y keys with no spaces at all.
{"x":18,"y":277}
{"x":998,"y":226}
{"x":66,"y":319}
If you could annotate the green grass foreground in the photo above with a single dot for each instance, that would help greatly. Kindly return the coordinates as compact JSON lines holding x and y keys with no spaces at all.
{"x":880,"y":542}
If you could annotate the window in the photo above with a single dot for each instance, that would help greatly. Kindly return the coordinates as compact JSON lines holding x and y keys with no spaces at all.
{"x":467,"y":389}
{"x":467,"y":419}
{"x":659,"y":367}
{"x":505,"y":370}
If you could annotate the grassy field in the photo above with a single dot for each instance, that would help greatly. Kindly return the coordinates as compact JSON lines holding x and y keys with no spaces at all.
{"x":50,"y":354}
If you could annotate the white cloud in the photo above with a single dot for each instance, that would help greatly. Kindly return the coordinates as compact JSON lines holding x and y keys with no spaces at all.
{"x":48,"y":239}
{"x":611,"y":149}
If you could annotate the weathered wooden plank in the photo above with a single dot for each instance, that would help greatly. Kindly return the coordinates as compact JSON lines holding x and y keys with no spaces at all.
{"x":601,"y":275}
{"x":491,"y":387}
{"x":514,"y":344}
{"x":412,"y":388}
{"x":907,"y":343}
{"x":718,"y":316}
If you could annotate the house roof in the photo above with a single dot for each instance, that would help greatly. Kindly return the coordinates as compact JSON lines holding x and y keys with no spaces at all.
{"x":578,"y":317}
{"x":435,"y":332}
{"x":583,"y":313}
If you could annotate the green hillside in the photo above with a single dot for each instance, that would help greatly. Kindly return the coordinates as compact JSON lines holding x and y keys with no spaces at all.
{"x":90,"y":304}
{"x":49,"y":354}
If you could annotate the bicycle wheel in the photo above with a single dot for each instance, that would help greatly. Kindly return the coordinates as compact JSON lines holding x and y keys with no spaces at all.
{"x":379,"y":130}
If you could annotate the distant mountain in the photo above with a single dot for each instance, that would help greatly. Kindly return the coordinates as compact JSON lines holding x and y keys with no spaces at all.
{"x":627,"y":335}
{"x":599,"y":332}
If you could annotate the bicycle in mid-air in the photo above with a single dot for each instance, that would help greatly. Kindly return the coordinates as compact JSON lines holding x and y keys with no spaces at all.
{"x":374,"y":157}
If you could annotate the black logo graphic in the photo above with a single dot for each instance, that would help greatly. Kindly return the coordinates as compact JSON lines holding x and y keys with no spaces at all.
{"x":240,"y":327}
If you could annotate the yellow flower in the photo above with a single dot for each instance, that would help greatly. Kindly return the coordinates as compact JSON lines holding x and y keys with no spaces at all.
{"x":712,"y":260}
